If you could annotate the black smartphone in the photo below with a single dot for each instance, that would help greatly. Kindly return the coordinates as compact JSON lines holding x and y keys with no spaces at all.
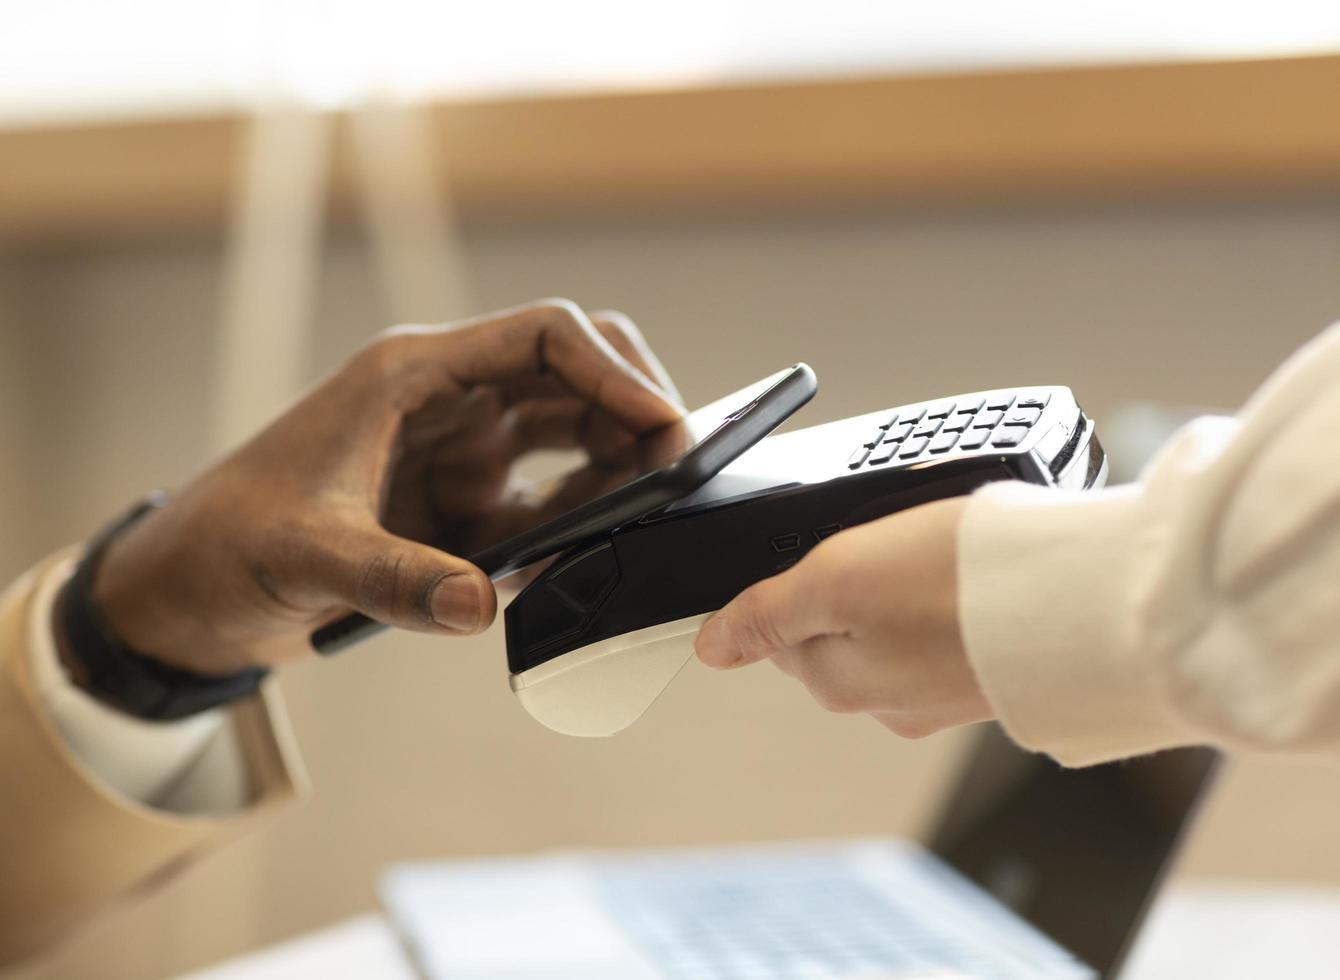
{"x":668,"y":465}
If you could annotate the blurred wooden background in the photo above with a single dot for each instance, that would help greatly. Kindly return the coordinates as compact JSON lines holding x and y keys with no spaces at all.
{"x":1161,"y":233}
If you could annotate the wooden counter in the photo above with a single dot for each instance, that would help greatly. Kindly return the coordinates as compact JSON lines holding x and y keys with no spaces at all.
{"x":1191,"y":128}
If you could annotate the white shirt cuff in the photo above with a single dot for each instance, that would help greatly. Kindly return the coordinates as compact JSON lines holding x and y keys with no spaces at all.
{"x":1045,"y":611}
{"x":193,"y":765}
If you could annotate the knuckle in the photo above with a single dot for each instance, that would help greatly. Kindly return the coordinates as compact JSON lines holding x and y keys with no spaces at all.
{"x":387,"y":355}
{"x":908,"y":726}
{"x":616,"y":323}
{"x":837,"y":700}
{"x":753,"y":625}
{"x":559,"y":311}
{"x":375,"y":583}
{"x":564,"y":324}
{"x":822,"y":559}
{"x":384,"y":586}
{"x":785,"y":661}
{"x":829,"y":568}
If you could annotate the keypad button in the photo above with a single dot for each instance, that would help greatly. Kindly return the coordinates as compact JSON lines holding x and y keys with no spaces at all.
{"x":960,"y":421}
{"x":943,"y":442}
{"x":873,"y":439}
{"x":970,"y":405}
{"x":987,"y":420}
{"x":857,"y":458}
{"x":912,"y":416}
{"x":883,"y":454}
{"x":940,"y":410}
{"x":912,"y":447}
{"x":899,"y":432}
{"x":1033,"y":401}
{"x":1023,"y":416}
{"x":974,"y":439}
{"x":999,"y":402}
{"x":1010,"y":435}
{"x":928,"y":428}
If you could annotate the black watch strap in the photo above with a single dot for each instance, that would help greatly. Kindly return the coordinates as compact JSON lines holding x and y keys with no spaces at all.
{"x":133,"y":682}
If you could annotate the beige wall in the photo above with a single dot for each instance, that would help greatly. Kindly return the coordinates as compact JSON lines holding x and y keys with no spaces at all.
{"x":415,"y":746}
{"x":16,"y":479}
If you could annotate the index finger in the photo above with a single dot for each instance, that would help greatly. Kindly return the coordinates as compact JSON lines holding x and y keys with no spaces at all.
{"x":551,"y":338}
{"x":620,"y":330}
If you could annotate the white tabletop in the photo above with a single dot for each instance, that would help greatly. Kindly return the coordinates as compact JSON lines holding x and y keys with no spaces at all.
{"x":357,"y":948}
{"x":1230,"y":931}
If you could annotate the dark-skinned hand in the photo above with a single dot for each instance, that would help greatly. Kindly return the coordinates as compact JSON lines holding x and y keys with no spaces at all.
{"x":366,"y":494}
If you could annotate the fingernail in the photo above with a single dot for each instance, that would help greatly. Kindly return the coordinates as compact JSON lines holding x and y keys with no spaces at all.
{"x":455,"y":603}
{"x":716,"y":647}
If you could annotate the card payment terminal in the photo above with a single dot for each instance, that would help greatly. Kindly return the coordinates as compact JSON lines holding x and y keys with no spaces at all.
{"x":600,"y":634}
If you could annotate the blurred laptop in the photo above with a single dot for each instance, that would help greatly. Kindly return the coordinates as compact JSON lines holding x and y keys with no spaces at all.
{"x":1030,"y":870}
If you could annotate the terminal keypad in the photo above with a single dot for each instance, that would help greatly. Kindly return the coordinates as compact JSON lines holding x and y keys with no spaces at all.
{"x":999,"y":420}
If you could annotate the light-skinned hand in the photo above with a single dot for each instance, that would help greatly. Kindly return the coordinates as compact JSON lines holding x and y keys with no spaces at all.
{"x":867,"y":621}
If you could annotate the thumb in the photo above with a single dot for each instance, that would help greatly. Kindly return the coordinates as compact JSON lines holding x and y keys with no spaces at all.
{"x":780,"y":612}
{"x":406,"y":584}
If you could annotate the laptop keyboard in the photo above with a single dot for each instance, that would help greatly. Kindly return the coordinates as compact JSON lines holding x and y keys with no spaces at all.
{"x":1001,"y":420}
{"x":788,"y":920}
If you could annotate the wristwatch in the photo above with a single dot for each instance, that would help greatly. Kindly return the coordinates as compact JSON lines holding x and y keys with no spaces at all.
{"x":134,"y":682}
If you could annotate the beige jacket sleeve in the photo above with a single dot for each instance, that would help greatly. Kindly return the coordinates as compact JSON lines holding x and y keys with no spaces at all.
{"x":69,"y":842}
{"x":1198,"y":605}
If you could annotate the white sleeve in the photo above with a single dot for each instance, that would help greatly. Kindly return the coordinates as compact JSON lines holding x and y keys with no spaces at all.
{"x":1198,"y":605}
{"x":189,"y":766}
